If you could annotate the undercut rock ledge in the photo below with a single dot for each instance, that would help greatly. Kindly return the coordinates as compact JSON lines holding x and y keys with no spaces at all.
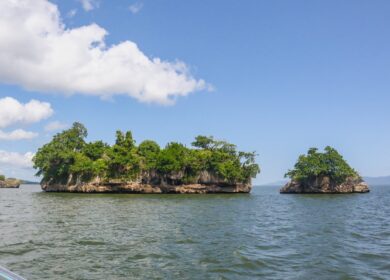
{"x":147,"y":189}
{"x":323,"y":185}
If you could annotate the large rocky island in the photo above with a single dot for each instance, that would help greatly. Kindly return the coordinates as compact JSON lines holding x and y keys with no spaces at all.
{"x":9,"y":183}
{"x":70,"y":164}
{"x":324,"y":173}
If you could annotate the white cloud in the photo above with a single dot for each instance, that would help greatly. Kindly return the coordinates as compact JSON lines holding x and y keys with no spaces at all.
{"x":71,"y":13}
{"x":55,"y":125}
{"x":136,"y":7}
{"x":89,"y":5}
{"x":16,"y":159}
{"x":14,"y":112}
{"x":17,"y":134}
{"x":17,"y":165}
{"x":38,"y":52}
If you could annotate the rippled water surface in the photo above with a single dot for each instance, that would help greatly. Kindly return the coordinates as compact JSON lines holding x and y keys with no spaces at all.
{"x":263,"y":235}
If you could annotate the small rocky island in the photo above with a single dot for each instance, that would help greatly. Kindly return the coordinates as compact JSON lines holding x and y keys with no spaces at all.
{"x":70,"y":164}
{"x":325,"y":172}
{"x":10,"y":183}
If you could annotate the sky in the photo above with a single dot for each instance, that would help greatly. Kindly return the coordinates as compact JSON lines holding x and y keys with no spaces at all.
{"x":275,"y":77}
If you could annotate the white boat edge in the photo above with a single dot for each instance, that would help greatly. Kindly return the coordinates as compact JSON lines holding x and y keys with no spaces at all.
{"x":5,"y":274}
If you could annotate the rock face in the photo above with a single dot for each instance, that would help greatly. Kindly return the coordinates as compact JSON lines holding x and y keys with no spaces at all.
{"x":323,"y":184}
{"x":135,"y":187}
{"x":10,"y":183}
{"x":151,"y":183}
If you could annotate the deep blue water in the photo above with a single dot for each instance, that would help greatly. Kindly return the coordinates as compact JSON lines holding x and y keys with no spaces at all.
{"x":263,"y":235}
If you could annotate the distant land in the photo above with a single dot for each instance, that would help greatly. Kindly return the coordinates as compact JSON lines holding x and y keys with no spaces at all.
{"x":26,"y":182}
{"x":373,"y":181}
{"x":276,"y":183}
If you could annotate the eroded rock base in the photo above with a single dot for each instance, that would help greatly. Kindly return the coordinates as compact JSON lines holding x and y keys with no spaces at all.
{"x":146,"y":188}
{"x":325,"y":185}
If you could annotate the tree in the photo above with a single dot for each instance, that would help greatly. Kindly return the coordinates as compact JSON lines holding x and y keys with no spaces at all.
{"x":248,"y":164}
{"x":172,"y":158}
{"x":2,"y":178}
{"x":95,"y":150}
{"x":123,"y":159}
{"x":82,"y":167}
{"x":125,"y":139}
{"x":225,"y":161}
{"x":69,"y":159}
{"x":149,"y":151}
{"x":329,"y":163}
{"x":54,"y":160}
{"x":203,"y":142}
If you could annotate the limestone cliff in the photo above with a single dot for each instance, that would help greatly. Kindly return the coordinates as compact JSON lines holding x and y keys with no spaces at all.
{"x":324,"y":184}
{"x":151,"y":183}
{"x":134,"y":187}
{"x":10,"y":183}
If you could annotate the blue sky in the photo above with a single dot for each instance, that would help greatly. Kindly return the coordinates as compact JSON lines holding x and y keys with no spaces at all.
{"x":286,"y":76}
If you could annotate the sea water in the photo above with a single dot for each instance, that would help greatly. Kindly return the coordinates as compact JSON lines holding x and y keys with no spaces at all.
{"x":262,"y":235}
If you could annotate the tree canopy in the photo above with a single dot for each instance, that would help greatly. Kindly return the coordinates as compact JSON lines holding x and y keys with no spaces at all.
{"x":68,"y":158}
{"x":328,"y":163}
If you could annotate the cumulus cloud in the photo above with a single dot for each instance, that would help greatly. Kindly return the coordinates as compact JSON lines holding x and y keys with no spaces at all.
{"x":136,"y":7}
{"x":38,"y":52}
{"x":16,"y":159}
{"x":18,"y":134}
{"x":14,"y":112}
{"x":55,"y":125}
{"x":89,"y":5}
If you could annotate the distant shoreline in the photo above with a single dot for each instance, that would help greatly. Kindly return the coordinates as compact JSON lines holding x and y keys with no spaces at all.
{"x":23,"y":182}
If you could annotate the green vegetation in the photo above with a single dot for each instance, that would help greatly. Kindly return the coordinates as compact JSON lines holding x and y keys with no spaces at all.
{"x":2,"y":178}
{"x":69,"y":159}
{"x":329,"y":163}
